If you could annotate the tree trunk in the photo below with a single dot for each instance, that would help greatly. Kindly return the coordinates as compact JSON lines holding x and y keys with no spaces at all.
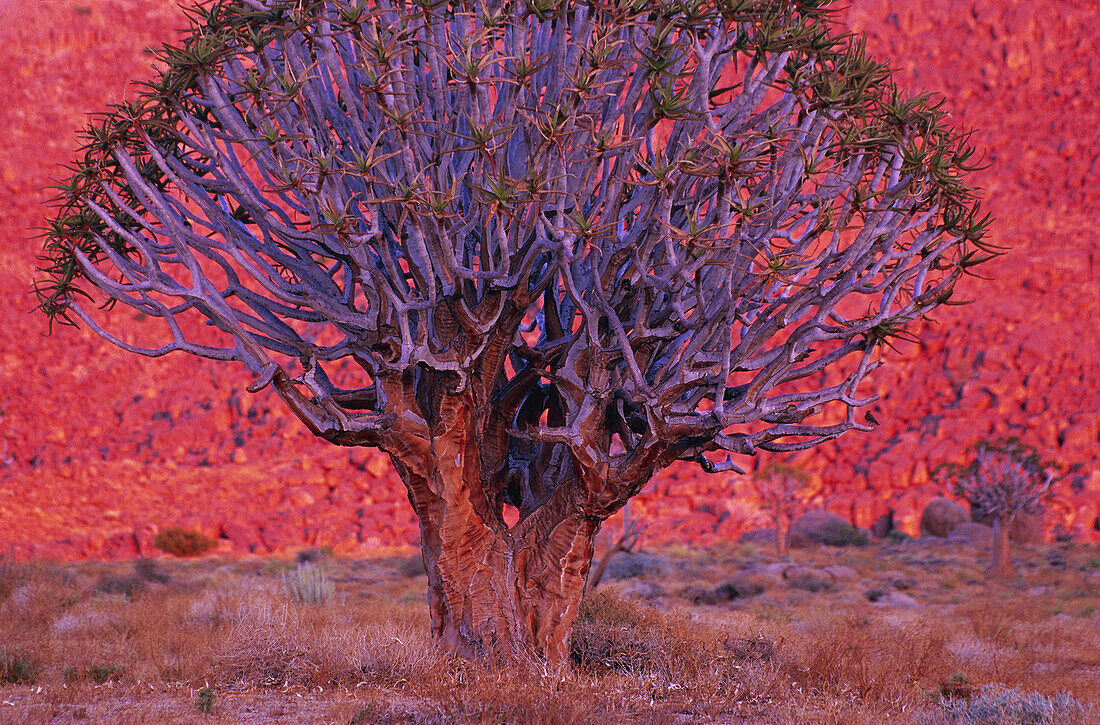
{"x":1002,"y":555}
{"x":782,"y":528}
{"x":494,"y":592}
{"x":506,"y":595}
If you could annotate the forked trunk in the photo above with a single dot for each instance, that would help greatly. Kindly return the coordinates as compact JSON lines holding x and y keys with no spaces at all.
{"x":493,"y":591}
{"x":505,"y":594}
{"x":1002,"y":556}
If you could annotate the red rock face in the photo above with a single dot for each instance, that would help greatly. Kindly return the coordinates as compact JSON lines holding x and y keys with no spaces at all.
{"x":99,"y":448}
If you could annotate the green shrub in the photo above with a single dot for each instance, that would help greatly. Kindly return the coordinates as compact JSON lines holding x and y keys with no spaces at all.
{"x":844,"y":536}
{"x":896,"y":536}
{"x":178,"y":541}
{"x":18,"y":668}
{"x":205,"y":701}
{"x":104,"y":673}
{"x":148,"y":570}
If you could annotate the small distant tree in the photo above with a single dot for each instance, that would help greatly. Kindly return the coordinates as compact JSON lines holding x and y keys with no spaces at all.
{"x":1004,"y":479}
{"x":534,"y":251}
{"x":783,"y":491}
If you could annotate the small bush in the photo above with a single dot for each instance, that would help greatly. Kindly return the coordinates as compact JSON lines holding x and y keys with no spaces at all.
{"x":844,"y":536}
{"x":148,"y":570}
{"x":182,"y":542}
{"x":104,"y":673}
{"x":997,"y":705}
{"x":956,"y":687}
{"x":127,"y":586}
{"x":205,"y":701}
{"x":606,"y":636}
{"x":412,"y":567}
{"x":810,"y":579}
{"x":627,"y":565}
{"x":896,"y":536}
{"x":309,"y":584}
{"x":18,"y":668}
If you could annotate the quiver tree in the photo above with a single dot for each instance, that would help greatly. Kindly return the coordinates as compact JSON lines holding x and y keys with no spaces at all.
{"x":1003,"y":480}
{"x":534,"y":251}
{"x":783,"y":491}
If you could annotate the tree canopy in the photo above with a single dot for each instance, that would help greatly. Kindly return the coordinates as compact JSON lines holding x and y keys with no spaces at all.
{"x":647,"y":221}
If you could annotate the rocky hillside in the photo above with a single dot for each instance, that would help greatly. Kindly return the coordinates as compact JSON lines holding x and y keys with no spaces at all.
{"x":99,"y":448}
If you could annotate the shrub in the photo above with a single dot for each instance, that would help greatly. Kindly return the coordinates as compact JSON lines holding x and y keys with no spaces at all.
{"x":18,"y":668}
{"x":606,"y":636}
{"x":629,"y":565}
{"x":104,"y":673}
{"x":997,"y":705}
{"x":148,"y":570}
{"x":127,"y":586}
{"x":845,"y":536}
{"x":309,"y":584}
{"x":182,"y":542}
{"x":956,"y":687}
{"x":205,"y":701}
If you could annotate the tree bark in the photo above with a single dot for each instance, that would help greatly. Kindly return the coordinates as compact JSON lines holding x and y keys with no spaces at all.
{"x":1002,"y":555}
{"x":493,"y":592}
{"x":782,"y":529}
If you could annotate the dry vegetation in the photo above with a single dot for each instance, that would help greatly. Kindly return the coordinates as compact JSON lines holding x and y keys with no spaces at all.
{"x":342,"y":641}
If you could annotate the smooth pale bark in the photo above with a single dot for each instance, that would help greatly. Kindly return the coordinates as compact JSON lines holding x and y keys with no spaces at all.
{"x":1002,"y":555}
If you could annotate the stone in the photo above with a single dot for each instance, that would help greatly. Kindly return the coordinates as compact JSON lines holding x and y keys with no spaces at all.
{"x":972,"y":533}
{"x":742,"y":585}
{"x":895,"y":600}
{"x":883,"y":525}
{"x":941,"y":516}
{"x":824,"y":528}
{"x":757,"y":536}
{"x":1027,"y":529}
{"x":842,"y":573}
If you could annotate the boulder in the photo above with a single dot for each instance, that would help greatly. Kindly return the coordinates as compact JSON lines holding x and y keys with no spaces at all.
{"x":972,"y":533}
{"x":883,"y":525}
{"x":745,"y":584}
{"x":757,"y":536}
{"x":823,"y":527}
{"x":843,"y":573}
{"x":894,"y":599}
{"x":941,"y":516}
{"x":1027,"y":529}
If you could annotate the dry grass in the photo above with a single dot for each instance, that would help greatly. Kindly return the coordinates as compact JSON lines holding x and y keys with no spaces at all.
{"x":140,"y":642}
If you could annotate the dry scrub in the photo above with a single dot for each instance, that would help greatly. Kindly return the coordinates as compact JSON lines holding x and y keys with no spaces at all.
{"x":228,"y":641}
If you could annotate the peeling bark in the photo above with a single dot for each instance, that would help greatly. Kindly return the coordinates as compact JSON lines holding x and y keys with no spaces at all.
{"x":493,"y":591}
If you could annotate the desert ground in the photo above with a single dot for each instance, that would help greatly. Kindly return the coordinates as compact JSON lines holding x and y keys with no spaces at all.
{"x":909,"y":631}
